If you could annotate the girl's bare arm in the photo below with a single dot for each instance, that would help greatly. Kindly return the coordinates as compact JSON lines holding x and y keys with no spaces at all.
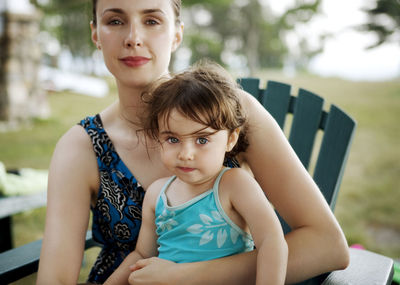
{"x":248,"y":200}
{"x":146,"y":245}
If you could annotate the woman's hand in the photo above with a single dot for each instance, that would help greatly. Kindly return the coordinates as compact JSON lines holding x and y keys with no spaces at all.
{"x":154,"y":271}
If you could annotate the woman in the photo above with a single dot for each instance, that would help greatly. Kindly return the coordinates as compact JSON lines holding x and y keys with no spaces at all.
{"x":93,"y":167}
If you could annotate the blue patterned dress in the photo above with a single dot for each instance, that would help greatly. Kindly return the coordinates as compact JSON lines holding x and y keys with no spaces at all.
{"x":117,"y":215}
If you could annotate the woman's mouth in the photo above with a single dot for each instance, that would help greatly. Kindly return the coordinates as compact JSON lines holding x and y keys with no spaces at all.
{"x":135,"y":61}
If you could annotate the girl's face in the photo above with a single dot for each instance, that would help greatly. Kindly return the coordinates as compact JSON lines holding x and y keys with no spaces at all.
{"x":192,"y":151}
{"x":137,"y":38}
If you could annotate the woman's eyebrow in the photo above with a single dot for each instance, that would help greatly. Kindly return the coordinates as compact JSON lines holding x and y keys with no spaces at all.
{"x":114,"y":10}
{"x":145,"y":11}
{"x":150,"y":11}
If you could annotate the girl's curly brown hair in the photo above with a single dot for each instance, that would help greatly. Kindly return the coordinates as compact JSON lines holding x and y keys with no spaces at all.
{"x":204,"y":93}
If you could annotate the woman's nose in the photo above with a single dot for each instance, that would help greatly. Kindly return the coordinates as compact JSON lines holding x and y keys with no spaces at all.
{"x":134,"y":37}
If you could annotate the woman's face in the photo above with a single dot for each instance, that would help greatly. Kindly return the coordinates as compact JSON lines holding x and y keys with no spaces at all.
{"x":137,"y":38}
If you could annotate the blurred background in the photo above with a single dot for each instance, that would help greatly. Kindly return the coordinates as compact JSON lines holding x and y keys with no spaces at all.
{"x":51,"y":76}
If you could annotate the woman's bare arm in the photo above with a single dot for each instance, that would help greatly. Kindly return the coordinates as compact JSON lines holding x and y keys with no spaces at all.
{"x":316,"y":243}
{"x":72,"y":175}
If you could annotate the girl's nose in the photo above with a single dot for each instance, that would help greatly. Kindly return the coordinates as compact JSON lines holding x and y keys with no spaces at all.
{"x":186,"y":153}
{"x":134,"y":38}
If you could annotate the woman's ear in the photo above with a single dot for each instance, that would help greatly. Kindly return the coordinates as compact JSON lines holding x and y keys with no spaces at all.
{"x":232,"y":139}
{"x":95,"y":38}
{"x":178,"y":36}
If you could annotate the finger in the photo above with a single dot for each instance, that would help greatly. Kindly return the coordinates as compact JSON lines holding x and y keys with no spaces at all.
{"x":139,"y":264}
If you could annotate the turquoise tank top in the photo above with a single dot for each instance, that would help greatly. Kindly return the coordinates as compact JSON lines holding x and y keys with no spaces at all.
{"x":198,"y":229}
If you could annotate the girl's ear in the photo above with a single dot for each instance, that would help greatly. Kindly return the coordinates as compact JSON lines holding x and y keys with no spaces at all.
{"x":232,"y":139}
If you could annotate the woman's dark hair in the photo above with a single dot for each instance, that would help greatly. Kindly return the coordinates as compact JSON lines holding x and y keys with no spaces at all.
{"x":205,"y":93}
{"x":176,"y":6}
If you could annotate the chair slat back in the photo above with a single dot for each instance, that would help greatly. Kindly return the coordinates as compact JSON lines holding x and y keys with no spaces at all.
{"x":276,"y":99}
{"x":309,"y":118}
{"x":306,"y":119}
{"x":335,"y":147}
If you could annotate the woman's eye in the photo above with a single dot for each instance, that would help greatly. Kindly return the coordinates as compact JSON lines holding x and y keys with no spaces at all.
{"x":115,"y":22}
{"x":151,"y":22}
{"x":202,"y":140}
{"x":172,"y":140}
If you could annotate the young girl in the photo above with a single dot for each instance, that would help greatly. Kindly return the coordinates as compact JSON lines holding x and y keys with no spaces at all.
{"x":101,"y":166}
{"x":205,"y":210}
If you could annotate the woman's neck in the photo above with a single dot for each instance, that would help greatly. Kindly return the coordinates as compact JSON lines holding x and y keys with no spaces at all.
{"x":130,"y":104}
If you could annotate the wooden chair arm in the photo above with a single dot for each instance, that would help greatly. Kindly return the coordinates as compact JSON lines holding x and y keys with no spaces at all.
{"x":365,"y":267}
{"x":22,"y":261}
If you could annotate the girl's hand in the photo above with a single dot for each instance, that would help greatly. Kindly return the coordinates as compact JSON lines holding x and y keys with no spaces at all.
{"x":154,"y":270}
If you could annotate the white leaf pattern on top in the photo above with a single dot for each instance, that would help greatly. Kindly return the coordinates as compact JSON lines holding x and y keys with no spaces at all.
{"x":221,"y":237}
{"x":206,"y":238}
{"x":195,"y":229}
{"x":217,"y":216}
{"x":166,"y":221}
{"x":234,"y":235}
{"x":205,"y":219}
{"x":213,"y":227}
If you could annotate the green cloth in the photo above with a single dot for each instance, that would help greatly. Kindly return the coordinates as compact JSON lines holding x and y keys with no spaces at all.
{"x":28,"y":181}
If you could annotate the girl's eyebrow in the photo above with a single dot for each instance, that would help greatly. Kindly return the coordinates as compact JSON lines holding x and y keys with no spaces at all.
{"x":201,"y":132}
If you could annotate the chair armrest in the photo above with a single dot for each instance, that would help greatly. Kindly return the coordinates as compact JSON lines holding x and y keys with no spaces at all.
{"x":22,"y":261}
{"x":365,"y":267}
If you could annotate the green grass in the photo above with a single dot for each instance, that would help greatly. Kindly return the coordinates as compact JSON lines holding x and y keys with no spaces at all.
{"x":368,"y":206}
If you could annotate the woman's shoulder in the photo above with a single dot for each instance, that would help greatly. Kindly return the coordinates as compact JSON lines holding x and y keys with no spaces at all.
{"x":74,"y":147}
{"x":75,"y":137}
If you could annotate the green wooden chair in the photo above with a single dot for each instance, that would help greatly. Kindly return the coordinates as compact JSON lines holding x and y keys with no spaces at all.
{"x":308,"y":119}
{"x":337,"y":129}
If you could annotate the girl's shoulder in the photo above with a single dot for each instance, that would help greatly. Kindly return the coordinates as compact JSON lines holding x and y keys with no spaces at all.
{"x":235,"y":178}
{"x":154,"y":190}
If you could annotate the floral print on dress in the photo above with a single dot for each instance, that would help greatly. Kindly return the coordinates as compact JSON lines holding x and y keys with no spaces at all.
{"x":117,"y":214}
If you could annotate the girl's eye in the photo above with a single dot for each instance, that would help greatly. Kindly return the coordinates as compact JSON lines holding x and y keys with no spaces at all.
{"x":202,"y":140}
{"x":172,"y":140}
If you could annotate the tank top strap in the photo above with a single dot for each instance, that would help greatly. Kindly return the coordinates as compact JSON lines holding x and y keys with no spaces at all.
{"x":100,"y":140}
{"x":216,"y":183}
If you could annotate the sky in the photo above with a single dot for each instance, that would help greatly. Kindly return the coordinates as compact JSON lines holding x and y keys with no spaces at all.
{"x":344,"y":54}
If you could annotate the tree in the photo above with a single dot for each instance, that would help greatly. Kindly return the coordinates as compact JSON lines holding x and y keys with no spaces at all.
{"x":68,"y":21}
{"x":384,"y":21}
{"x":245,"y":28}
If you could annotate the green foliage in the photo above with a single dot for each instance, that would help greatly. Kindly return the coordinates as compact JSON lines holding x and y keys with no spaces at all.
{"x":384,"y":21}
{"x":256,"y":32}
{"x":68,"y":21}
